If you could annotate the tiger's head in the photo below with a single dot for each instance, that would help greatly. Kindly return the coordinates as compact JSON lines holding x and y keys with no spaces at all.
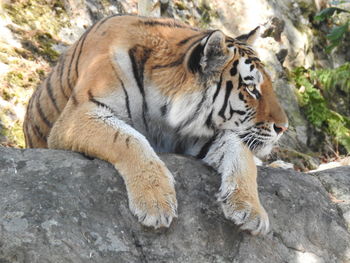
{"x":242,"y":91}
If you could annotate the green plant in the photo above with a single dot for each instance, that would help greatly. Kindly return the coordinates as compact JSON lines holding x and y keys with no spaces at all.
{"x":337,"y":33}
{"x":312,"y":84}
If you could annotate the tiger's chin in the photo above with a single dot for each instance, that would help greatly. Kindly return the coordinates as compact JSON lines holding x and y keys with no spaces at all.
{"x":263,"y":151}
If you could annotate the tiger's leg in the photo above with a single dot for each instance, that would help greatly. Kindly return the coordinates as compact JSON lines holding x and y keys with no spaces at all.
{"x":238,"y":193}
{"x":97,"y":132}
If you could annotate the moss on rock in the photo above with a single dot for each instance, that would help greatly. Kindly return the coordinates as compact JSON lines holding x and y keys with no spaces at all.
{"x":49,"y":16}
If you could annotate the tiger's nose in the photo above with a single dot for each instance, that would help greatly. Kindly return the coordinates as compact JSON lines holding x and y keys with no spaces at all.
{"x":279,"y":128}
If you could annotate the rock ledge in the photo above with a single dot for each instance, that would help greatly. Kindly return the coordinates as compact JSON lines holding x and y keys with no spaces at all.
{"x":58,"y":206}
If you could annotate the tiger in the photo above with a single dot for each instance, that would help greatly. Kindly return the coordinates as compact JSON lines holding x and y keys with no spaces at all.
{"x":132,"y":87}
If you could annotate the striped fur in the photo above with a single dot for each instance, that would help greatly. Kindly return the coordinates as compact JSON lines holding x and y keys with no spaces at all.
{"x":131,"y":87}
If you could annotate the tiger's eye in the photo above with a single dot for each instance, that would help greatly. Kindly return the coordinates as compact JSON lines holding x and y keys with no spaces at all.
{"x":251,"y":88}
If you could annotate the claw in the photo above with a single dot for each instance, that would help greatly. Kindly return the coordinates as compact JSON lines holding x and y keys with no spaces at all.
{"x":249,"y":218}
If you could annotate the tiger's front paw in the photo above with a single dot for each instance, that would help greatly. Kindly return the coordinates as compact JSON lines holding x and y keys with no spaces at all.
{"x":154,"y":201}
{"x":246,"y":213}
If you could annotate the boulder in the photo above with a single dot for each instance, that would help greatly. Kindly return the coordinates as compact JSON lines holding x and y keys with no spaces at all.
{"x":337,"y":183}
{"x":59,"y":206}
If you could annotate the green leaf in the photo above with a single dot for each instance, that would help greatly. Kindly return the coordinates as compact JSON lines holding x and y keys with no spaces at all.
{"x":336,"y":35}
{"x":315,"y":106}
{"x":331,"y":47}
{"x":337,"y":32}
{"x":328,"y":12}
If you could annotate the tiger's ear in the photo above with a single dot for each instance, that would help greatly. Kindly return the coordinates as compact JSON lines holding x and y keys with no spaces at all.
{"x":251,"y":36}
{"x":210,"y":55}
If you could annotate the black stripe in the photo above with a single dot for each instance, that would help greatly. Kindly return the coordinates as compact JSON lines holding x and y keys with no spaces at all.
{"x":248,"y":78}
{"x":196,"y":112}
{"x":29,"y":142}
{"x":248,"y":61}
{"x":81,"y":42}
{"x":42,"y":115}
{"x":241,"y":52}
{"x":70,"y":65}
{"x":241,"y":96}
{"x":229,"y":87}
{"x":139,"y":56}
{"x":243,"y":136}
{"x":239,"y":112}
{"x":265,"y":135}
{"x":62,"y":63}
{"x":49,"y":91}
{"x":194,"y":142}
{"x":164,"y":109}
{"x":232,"y":111}
{"x":98,"y":103}
{"x":105,"y":20}
{"x":38,"y":133}
{"x":233,"y":70}
{"x":126,"y":100}
{"x":60,"y":66}
{"x":240,"y":82}
{"x":80,"y":50}
{"x":255,"y":59}
{"x":249,"y":51}
{"x":218,"y":86}
{"x":209,"y":121}
{"x":252,"y":117}
{"x":221,"y":158}
{"x":205,"y":149}
{"x":180,"y":60}
{"x":247,"y":118}
{"x":184,"y":41}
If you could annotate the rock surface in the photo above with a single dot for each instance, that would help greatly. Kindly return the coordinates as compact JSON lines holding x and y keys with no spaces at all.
{"x":337,"y":183}
{"x":58,"y":206}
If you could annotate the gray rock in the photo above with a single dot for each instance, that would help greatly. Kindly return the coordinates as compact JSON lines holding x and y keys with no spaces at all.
{"x":337,"y":183}
{"x":58,"y":206}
